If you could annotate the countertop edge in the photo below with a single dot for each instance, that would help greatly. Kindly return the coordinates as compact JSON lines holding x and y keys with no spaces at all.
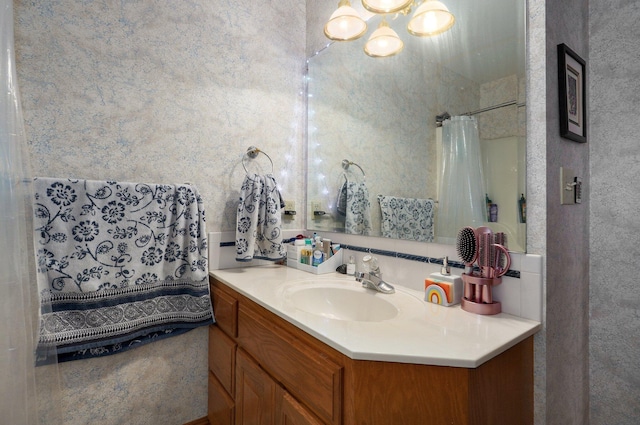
{"x":530,"y":328}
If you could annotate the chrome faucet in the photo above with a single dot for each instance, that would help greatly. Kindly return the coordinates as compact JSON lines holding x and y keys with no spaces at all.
{"x":373,"y":279}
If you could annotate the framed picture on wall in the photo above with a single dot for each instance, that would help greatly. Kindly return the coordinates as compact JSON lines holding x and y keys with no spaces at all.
{"x":572,"y":94}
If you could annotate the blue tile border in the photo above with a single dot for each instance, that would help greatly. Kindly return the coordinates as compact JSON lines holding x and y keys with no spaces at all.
{"x":419,"y":258}
{"x":401,"y":255}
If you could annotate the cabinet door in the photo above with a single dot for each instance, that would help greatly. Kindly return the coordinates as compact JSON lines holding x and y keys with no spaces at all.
{"x":222,"y":358}
{"x":255,"y":393}
{"x":220,"y":406}
{"x":290,"y":412}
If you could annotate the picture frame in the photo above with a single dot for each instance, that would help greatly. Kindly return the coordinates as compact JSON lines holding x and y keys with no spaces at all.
{"x":572,"y":94}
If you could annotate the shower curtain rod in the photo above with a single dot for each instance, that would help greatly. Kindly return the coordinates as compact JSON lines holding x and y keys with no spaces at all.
{"x":491,"y":108}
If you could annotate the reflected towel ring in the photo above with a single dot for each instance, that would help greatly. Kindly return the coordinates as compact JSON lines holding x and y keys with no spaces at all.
{"x":252,"y":153}
{"x":346,"y":163}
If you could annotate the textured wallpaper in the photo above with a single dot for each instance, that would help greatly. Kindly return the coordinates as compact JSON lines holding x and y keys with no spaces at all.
{"x":159,"y":92}
{"x":567,"y":237}
{"x":614,"y":323}
{"x":164,"y":92}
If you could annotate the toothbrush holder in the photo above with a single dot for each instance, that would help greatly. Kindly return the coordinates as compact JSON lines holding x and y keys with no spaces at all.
{"x":482,"y":303}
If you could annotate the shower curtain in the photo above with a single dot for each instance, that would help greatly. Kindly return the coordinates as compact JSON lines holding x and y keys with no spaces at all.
{"x":18,"y":296}
{"x":462,"y":192}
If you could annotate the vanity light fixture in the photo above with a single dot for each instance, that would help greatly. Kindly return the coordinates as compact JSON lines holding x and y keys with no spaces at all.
{"x":431,"y":17}
{"x":386,"y":6}
{"x":345,"y":24}
{"x":383,"y":42}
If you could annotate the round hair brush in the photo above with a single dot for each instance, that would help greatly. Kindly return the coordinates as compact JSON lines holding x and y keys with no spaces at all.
{"x":467,"y":246}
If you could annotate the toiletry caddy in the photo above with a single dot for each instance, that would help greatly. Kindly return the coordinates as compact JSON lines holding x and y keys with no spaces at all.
{"x":331,"y":259}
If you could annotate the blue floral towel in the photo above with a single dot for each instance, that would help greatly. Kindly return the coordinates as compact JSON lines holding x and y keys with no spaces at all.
{"x":258,"y":221}
{"x":407,"y":218}
{"x":358,"y":209}
{"x":121,"y":264}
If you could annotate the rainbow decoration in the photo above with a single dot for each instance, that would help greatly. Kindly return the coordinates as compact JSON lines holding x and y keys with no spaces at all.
{"x":437,"y":295}
{"x":441,"y":292}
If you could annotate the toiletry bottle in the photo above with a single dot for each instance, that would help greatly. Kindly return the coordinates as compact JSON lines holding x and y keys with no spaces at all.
{"x":303,"y":256}
{"x":522,"y":208}
{"x":489,"y":202}
{"x":318,"y":254}
{"x":307,"y":252}
{"x":493,"y":213}
{"x":326,"y":248}
{"x":351,"y":266}
{"x":443,"y":288}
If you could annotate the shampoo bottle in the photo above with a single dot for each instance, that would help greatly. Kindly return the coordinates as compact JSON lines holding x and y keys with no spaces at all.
{"x":443,"y":288}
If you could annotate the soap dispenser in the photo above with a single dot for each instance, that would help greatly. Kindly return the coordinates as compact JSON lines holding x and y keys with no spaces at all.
{"x":443,"y":288}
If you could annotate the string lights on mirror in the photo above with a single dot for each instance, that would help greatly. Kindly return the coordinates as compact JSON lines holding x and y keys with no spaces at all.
{"x":431,"y":17}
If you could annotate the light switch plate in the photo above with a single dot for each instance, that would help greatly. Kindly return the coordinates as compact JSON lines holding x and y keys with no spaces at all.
{"x":567,"y":186}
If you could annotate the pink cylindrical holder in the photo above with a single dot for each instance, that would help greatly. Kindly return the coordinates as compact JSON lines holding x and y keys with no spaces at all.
{"x":478,"y":296}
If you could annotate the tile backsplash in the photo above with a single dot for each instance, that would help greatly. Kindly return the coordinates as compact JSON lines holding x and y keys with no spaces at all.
{"x":408,"y":263}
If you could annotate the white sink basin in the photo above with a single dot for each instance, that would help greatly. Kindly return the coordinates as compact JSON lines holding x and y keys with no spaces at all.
{"x":341,"y":302}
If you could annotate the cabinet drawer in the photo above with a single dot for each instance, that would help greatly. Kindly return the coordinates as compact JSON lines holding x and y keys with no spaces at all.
{"x":222,"y":358}
{"x":225,"y":310}
{"x":307,"y":374}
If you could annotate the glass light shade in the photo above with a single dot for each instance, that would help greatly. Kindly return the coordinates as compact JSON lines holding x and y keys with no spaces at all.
{"x":431,"y":18}
{"x":386,"y":6}
{"x":345,"y":24}
{"x":383,"y":42}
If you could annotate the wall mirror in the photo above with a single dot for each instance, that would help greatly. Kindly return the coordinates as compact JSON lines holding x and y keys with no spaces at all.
{"x":373,"y":131}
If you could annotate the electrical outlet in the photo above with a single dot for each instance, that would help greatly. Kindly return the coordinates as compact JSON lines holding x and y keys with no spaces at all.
{"x":316,"y":209}
{"x":289,"y":209}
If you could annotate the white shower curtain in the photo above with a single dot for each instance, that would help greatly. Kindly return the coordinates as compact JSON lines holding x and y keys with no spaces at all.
{"x":462,"y":193}
{"x":18,"y":291}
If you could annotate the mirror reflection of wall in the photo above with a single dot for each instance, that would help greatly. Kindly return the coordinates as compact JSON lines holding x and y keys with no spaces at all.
{"x":381,"y":114}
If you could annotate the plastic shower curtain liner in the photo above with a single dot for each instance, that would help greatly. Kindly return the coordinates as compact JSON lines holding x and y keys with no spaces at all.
{"x":463,"y":203}
{"x":21,"y":402}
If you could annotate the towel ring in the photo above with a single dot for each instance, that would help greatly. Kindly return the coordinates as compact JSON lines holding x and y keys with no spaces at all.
{"x":346,"y":163}
{"x":252,"y":153}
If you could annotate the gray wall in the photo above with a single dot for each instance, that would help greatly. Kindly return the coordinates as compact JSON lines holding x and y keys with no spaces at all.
{"x":615,"y":224}
{"x":567,"y":240}
{"x":158,"y":92}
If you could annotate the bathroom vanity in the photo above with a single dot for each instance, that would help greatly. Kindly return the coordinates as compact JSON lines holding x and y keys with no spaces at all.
{"x":276,"y":361}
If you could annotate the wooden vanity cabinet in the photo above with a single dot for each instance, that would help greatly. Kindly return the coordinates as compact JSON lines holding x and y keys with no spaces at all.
{"x":265,"y":371}
{"x":251,"y":357}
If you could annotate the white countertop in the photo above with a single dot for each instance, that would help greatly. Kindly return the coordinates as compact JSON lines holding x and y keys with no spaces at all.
{"x":421,"y":333}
